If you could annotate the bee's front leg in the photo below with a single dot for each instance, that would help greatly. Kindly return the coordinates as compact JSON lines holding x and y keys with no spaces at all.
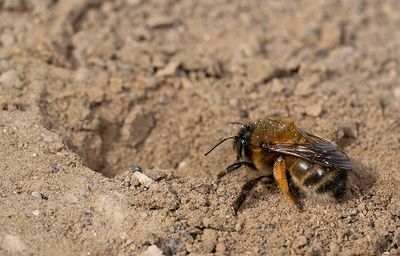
{"x":234,"y":167}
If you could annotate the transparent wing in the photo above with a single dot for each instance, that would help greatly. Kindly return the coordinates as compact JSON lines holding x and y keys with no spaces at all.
{"x":316,"y":150}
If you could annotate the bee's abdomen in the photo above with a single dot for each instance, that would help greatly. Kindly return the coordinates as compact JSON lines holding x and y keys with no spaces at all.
{"x":323,"y":182}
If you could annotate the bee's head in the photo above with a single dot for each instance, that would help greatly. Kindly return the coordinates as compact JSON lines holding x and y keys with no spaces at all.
{"x":241,"y":142}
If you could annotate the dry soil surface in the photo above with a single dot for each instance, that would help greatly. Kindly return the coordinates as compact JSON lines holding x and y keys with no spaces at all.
{"x":90,"y":87}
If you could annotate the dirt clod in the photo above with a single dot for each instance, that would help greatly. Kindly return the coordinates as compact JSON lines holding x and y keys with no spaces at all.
{"x":209,"y":240}
{"x":137,"y":126}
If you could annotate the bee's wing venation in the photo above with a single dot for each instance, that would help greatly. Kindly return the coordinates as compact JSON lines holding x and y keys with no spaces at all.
{"x":316,"y":150}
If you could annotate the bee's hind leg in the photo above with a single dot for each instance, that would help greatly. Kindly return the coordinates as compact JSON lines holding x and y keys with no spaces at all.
{"x":246,"y":188}
{"x":282,"y":181}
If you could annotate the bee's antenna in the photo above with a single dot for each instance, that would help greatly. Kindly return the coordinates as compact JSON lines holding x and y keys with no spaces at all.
{"x":219,"y":143}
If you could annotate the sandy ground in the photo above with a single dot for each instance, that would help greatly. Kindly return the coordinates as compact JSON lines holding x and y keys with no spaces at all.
{"x":90,"y":87}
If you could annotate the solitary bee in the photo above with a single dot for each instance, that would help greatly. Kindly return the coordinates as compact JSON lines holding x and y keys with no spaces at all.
{"x":276,"y":146}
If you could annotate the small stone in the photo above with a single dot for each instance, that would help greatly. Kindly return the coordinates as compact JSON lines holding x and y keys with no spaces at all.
{"x":156,"y":22}
{"x":39,"y":195}
{"x":11,"y":79}
{"x":134,"y":2}
{"x":182,"y":165}
{"x":243,"y":113}
{"x":46,"y":137}
{"x":116,"y":85}
{"x":301,"y":241}
{"x":238,"y":227}
{"x":209,"y":239}
{"x":56,"y":147}
{"x":314,"y":110}
{"x":155,"y":174}
{"x":334,"y":248}
{"x":136,"y":168}
{"x":143,"y":179}
{"x":153,"y":250}
{"x":172,"y":246}
{"x":220,"y":247}
{"x":86,"y":219}
{"x":169,"y":70}
{"x":158,"y":61}
{"x":36,"y":212}
{"x":331,"y":35}
{"x":36,"y":194}
{"x":95,"y":95}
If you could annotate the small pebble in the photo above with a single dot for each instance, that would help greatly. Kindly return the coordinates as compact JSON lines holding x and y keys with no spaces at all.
{"x":36,"y":194}
{"x":136,"y":168}
{"x":169,"y":70}
{"x":220,"y":247}
{"x":301,"y":241}
{"x":209,"y":240}
{"x":172,"y":246}
{"x":116,"y":85}
{"x":155,"y":174}
{"x":314,"y":110}
{"x":158,"y":21}
{"x":46,"y":137}
{"x":56,"y":147}
{"x":153,"y":250}
{"x":238,"y":227}
{"x":243,"y":113}
{"x":36,"y":212}
{"x":143,"y":179}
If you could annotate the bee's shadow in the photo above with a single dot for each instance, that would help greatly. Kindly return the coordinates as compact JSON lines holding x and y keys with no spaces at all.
{"x":360,"y":180}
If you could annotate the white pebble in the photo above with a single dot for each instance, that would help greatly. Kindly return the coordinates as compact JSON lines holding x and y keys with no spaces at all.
{"x":36,"y":212}
{"x":153,"y":250}
{"x":143,"y":179}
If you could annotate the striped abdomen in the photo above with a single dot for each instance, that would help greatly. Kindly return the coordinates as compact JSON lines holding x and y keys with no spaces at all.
{"x":325,"y":183}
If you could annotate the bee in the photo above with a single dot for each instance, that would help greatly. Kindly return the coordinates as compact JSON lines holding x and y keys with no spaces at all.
{"x":297,"y":160}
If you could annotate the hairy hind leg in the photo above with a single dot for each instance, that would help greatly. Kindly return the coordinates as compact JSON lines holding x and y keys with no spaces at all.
{"x":246,"y":189}
{"x":282,"y":181}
